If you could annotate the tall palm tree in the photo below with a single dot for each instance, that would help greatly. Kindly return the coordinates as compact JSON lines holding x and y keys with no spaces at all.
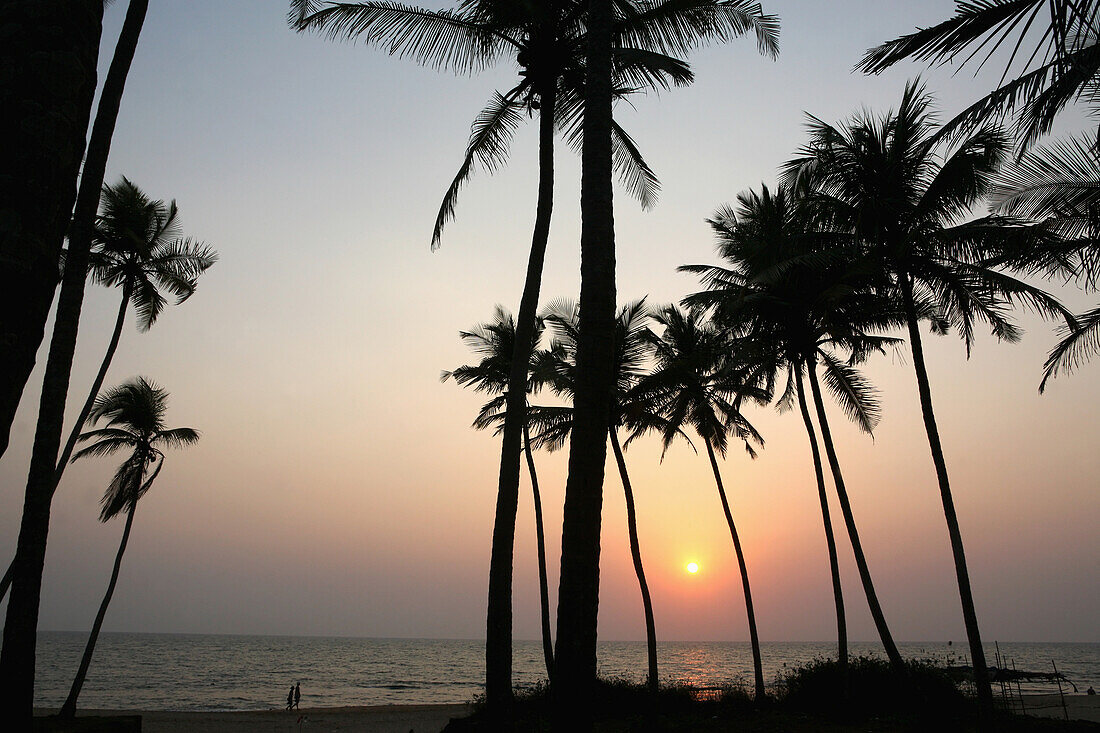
{"x":1058,"y":184}
{"x":17,"y":656}
{"x":795,"y":294}
{"x":905,"y":197}
{"x":47,"y":85}
{"x":133,"y":415}
{"x":549,"y":45}
{"x":628,"y":411}
{"x":1058,"y":38}
{"x":698,"y":383}
{"x":578,"y":594}
{"x":495,"y":343}
{"x":137,"y":249}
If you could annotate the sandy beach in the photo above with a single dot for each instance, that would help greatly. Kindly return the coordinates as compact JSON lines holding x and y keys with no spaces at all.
{"x":1078,"y":707}
{"x":369,"y":719}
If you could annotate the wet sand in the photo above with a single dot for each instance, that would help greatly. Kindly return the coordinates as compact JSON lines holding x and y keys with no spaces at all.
{"x":369,"y":719}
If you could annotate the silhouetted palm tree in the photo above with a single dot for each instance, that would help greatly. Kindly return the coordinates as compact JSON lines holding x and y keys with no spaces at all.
{"x":495,"y":343}
{"x":697,"y":383}
{"x":133,"y":415}
{"x":1061,"y":66}
{"x":888,"y":182}
{"x":1058,"y":184}
{"x":136,"y":249}
{"x":578,"y":590}
{"x":554,"y":424}
{"x":17,"y":657}
{"x":795,"y":294}
{"x":549,"y":45}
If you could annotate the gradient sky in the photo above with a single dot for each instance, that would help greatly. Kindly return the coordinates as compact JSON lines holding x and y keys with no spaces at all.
{"x":338,"y":488}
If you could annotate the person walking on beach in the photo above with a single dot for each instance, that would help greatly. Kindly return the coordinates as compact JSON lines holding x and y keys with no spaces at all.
{"x":297,"y":694}
{"x":290,"y":698}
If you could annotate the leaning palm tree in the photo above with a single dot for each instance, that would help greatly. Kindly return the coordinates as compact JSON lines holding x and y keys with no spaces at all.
{"x":796,"y":295}
{"x":1058,"y":39}
{"x":887,"y":181}
{"x":555,"y":424}
{"x":1058,"y":184}
{"x":495,"y":343}
{"x":133,"y":415}
{"x":698,"y":383}
{"x":136,"y":248}
{"x":35,"y":227}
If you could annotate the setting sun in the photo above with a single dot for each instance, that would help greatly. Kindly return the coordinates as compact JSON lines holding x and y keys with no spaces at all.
{"x":693,"y":567}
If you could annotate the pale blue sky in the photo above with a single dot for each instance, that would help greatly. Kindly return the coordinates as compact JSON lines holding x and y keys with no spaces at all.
{"x":337,"y":488}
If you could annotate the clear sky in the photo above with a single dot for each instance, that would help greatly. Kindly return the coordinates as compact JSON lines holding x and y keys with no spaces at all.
{"x":338,"y":488}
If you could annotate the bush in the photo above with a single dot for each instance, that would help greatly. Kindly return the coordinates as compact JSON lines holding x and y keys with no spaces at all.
{"x":874,"y":689}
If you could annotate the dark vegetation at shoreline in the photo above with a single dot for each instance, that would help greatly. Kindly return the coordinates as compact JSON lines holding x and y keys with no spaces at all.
{"x":808,"y":698}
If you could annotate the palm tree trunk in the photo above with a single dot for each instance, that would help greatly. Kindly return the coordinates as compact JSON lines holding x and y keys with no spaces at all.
{"x":544,"y":589}
{"x":498,"y":632}
{"x":758,"y":669}
{"x":970,"y":616}
{"x":17,"y":657}
{"x":830,"y":541}
{"x":850,"y":523}
{"x":579,"y":584}
{"x":97,"y":384}
{"x":68,"y":710}
{"x":636,"y":555}
{"x":48,"y":56}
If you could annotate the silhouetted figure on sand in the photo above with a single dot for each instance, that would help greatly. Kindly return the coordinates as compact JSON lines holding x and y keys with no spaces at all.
{"x":297,"y":694}
{"x":290,"y":698}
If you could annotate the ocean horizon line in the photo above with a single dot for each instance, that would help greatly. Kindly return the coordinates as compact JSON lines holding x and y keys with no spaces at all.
{"x":538,"y":640}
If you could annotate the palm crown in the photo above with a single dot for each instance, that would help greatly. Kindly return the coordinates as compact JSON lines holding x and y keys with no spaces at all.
{"x":133,"y":415}
{"x":137,"y":247}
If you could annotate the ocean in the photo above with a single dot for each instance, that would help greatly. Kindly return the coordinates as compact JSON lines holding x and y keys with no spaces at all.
{"x":215,"y":672}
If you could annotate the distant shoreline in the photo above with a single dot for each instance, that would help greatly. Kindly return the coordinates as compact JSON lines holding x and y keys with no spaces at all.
{"x":401,"y":718}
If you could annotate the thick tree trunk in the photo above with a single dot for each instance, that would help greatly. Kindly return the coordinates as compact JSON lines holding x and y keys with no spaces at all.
{"x":17,"y":657}
{"x":579,"y":585}
{"x":498,"y":632}
{"x":68,"y":710}
{"x":67,"y":453}
{"x":636,"y":555}
{"x":757,"y":666}
{"x":48,"y":55}
{"x":970,"y":616}
{"x":850,"y":523}
{"x":830,"y":541}
{"x":540,"y":537}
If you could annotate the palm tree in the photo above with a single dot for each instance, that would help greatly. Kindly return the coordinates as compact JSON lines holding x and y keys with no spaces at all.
{"x":1062,"y":64}
{"x":17,"y":657}
{"x":795,"y":294}
{"x":887,"y":181}
{"x":137,"y":250}
{"x":555,"y":424}
{"x":549,"y":43}
{"x":495,"y":343}
{"x":698,"y":383}
{"x":47,"y":85}
{"x":578,"y":594}
{"x":133,"y":415}
{"x":1058,"y":184}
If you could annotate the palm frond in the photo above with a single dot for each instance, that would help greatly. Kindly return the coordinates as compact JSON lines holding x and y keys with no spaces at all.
{"x":490,"y":137}
{"x":441,"y":39}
